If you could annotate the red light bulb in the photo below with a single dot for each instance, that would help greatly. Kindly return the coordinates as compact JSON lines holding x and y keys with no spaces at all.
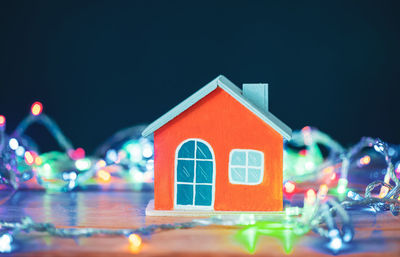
{"x":2,"y":120}
{"x":77,"y":154}
{"x":36,"y":108}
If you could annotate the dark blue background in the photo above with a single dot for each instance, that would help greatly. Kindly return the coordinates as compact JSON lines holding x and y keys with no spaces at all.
{"x":99,"y":66}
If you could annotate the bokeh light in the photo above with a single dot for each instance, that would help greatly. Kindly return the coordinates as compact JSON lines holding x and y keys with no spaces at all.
{"x":36,"y":108}
{"x":2,"y":120}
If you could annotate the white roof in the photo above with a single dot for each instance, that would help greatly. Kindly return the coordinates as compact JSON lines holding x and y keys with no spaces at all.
{"x":231,"y":89}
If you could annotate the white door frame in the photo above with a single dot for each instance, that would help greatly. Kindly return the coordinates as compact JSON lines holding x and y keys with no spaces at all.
{"x":194,"y":207}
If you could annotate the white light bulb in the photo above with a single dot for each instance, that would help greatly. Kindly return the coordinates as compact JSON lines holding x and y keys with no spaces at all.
{"x":13,"y":143}
{"x":147,"y":150}
{"x":20,"y":151}
{"x":5,"y":243}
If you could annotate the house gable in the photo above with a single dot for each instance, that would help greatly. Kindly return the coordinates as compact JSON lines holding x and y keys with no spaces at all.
{"x":231,"y":89}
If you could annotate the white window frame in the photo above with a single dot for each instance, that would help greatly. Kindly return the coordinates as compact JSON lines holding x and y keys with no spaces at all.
{"x":193,"y":206}
{"x":246,"y":167}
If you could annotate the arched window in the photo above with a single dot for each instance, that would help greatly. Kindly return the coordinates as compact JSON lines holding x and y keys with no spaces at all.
{"x":194,"y":174}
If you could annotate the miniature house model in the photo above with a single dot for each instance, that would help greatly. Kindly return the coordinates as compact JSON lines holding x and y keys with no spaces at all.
{"x":219,"y":150}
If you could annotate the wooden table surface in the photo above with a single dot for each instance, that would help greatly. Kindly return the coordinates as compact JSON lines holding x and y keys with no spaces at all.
{"x":376,"y":234}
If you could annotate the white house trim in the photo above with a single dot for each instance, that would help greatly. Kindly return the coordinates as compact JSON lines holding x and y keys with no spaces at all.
{"x":194,"y":207}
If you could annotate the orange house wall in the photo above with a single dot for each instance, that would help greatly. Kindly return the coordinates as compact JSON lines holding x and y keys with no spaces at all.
{"x":225,"y":124}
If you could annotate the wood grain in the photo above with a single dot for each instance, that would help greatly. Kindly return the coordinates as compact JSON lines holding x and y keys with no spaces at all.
{"x":376,"y":235}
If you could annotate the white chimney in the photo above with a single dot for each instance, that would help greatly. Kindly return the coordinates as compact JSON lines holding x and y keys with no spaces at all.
{"x":257,"y":94}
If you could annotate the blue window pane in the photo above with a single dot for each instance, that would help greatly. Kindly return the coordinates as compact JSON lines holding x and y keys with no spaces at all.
{"x":238,"y":158}
{"x":202,"y":151}
{"x":204,"y":171}
{"x":185,"y":194}
{"x":187,"y":150}
{"x":203,"y":195}
{"x":255,"y":159}
{"x":254,"y":175}
{"x":185,"y":171}
{"x":238,"y":175}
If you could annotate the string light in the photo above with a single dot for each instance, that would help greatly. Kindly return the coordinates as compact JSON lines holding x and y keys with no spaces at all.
{"x":342,"y":185}
{"x":112,"y":155}
{"x":379,"y":147}
{"x":281,"y":230}
{"x":328,"y":170}
{"x":104,"y":175}
{"x":323,"y":191}
{"x":13,"y":143}
{"x":310,"y":197}
{"x":137,"y":176}
{"x":5,"y":243}
{"x":384,"y":191}
{"x":47,"y":169}
{"x":130,"y":156}
{"x":365,"y":160}
{"x":36,"y":108}
{"x":83,"y":164}
{"x":147,"y":150}
{"x":77,"y":154}
{"x":38,"y":160}
{"x":20,"y":151}
{"x":29,"y":158}
{"x":62,"y":163}
{"x":289,"y":187}
{"x":101,"y":164}
{"x":148,"y":176}
{"x":2,"y":121}
{"x":134,"y":151}
{"x":354,"y":196}
{"x":135,"y":240}
{"x":336,"y":242}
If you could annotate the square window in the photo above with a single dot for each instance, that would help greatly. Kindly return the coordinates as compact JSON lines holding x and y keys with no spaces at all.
{"x":204,"y":171}
{"x":246,"y":167}
{"x":254,"y":176}
{"x":185,"y":171}
{"x":203,"y":195}
{"x":184,"y":194}
{"x":238,"y":158}
{"x":255,"y":159}
{"x":238,"y":175}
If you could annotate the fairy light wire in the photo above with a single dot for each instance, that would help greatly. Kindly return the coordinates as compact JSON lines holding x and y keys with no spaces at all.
{"x":318,"y":214}
{"x":27,"y":225}
{"x":49,"y":124}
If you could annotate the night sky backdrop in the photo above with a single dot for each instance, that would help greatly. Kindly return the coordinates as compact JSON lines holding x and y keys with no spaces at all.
{"x":100,"y":66}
